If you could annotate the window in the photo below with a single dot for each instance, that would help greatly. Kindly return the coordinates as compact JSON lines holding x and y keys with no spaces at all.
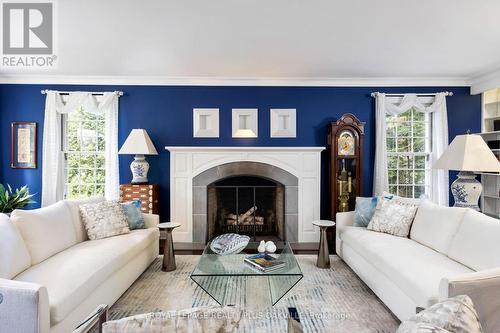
{"x":408,"y":150}
{"x":83,"y":147}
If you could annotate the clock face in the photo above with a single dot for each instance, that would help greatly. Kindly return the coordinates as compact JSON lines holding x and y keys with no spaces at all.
{"x":346,"y":143}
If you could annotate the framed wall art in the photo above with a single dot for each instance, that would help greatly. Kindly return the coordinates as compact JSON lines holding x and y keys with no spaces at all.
{"x":23,"y":145}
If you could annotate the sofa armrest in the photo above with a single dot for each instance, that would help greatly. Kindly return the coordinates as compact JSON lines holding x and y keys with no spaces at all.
{"x":483,"y":288}
{"x":344,"y":219}
{"x":24,"y":307}
{"x":151,"y":220}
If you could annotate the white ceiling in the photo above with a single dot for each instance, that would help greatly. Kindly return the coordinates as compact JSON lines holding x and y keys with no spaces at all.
{"x":316,"y":41}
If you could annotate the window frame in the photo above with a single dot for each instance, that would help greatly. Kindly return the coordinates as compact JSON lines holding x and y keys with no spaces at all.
{"x":409,"y":189}
{"x":66,"y":151}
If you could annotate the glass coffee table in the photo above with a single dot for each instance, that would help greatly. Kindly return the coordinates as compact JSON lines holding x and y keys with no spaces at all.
{"x":231,"y":281}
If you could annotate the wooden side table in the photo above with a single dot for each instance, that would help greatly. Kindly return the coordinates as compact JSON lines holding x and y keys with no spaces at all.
{"x":168,"y":251}
{"x":148,"y":194}
{"x":323,"y":254}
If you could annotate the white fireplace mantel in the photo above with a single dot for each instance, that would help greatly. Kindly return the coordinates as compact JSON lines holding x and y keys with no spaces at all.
{"x":188,"y":162}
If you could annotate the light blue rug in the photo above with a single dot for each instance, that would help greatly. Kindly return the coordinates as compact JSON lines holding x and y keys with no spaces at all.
{"x":328,"y":300}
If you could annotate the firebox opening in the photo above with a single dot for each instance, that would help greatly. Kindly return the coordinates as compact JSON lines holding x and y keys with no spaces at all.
{"x":246,"y":205}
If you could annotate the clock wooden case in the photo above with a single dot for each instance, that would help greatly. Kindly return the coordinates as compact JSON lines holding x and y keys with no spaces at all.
{"x":345,"y":143}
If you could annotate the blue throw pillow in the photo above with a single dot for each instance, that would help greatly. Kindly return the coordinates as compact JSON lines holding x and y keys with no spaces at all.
{"x":132,"y":210}
{"x":363,"y":213}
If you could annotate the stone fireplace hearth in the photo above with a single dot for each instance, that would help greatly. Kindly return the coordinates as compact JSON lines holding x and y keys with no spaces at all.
{"x":264,"y":192}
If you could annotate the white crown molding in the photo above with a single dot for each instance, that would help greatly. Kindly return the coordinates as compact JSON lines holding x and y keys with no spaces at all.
{"x":482,"y":83}
{"x":242,"y":148}
{"x":234,"y":81}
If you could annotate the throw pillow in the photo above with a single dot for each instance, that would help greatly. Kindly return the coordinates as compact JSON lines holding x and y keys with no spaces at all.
{"x":74,"y":207}
{"x":404,"y":199}
{"x":104,"y":219}
{"x":132,"y":210}
{"x":393,"y":216}
{"x":455,"y":315}
{"x":364,"y":210}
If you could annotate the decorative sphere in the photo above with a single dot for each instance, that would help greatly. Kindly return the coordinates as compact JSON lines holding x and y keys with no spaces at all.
{"x":270,"y":247}
{"x":262,"y":247}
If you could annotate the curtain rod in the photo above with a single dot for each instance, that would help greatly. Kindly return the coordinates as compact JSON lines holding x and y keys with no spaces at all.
{"x":94,"y":93}
{"x":446,"y":93}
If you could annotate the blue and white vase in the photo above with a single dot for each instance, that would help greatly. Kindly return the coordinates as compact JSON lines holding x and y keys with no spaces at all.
{"x":140,"y":168}
{"x":466,"y":190}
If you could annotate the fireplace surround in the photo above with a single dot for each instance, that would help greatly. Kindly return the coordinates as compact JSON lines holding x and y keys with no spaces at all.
{"x":247,"y":205}
{"x":222,"y":195}
{"x":194,"y":170}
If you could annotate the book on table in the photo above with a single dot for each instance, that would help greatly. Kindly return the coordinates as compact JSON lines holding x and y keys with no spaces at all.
{"x":264,"y":262}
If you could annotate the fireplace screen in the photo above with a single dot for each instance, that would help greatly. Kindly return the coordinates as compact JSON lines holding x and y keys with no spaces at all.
{"x":246,"y":205}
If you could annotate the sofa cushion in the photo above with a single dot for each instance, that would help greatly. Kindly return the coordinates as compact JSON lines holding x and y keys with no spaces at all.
{"x":435,"y":226}
{"x":393,"y":216}
{"x":104,"y":219}
{"x":70,"y":276}
{"x":477,"y":241}
{"x":46,"y":231}
{"x":74,"y":207}
{"x":363,"y":213}
{"x":14,"y":256}
{"x":415,"y":268}
{"x":132,"y":210}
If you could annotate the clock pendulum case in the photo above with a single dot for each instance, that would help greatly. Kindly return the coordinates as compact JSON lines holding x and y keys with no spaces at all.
{"x":345,"y":148}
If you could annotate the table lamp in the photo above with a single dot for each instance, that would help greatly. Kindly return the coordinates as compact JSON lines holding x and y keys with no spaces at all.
{"x":139,"y":143}
{"x":468,"y":154}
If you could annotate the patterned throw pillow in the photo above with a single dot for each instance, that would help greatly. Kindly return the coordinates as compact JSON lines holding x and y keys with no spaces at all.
{"x":363,"y":213}
{"x":455,"y":315}
{"x":104,"y":219}
{"x":132,"y":210}
{"x":393,"y":216}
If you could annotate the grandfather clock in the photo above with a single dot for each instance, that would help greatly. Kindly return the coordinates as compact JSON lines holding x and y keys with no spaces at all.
{"x":345,"y":143}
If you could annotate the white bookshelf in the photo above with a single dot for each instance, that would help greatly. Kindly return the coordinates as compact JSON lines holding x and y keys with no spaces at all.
{"x":490,"y":199}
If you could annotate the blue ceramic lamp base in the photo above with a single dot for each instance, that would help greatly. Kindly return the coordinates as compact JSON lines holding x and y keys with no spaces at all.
{"x":466,"y":190}
{"x":139,"y":168}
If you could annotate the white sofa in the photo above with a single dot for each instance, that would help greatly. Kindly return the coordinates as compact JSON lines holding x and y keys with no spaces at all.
{"x":52,"y":277}
{"x":450,"y":251}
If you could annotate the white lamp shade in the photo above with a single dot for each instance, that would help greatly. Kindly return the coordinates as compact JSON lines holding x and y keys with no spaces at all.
{"x":468,"y":152}
{"x":138,"y":142}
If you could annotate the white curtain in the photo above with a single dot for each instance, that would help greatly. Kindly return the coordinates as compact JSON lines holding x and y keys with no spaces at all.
{"x":52,"y":161}
{"x":384,"y":107}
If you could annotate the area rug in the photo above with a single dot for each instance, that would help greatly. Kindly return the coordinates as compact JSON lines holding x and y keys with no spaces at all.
{"x":328,"y":300}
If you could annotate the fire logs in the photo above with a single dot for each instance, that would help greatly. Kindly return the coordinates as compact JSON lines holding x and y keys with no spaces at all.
{"x":245,"y":218}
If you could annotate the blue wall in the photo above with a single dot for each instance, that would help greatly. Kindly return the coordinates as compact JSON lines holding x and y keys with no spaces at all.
{"x":166,"y":113}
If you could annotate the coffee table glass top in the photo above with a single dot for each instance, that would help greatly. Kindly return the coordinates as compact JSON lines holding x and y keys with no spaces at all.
{"x":231,"y":281}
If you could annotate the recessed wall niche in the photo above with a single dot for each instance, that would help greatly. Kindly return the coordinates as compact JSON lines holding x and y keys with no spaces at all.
{"x":205,"y":123}
{"x":245,"y":123}
{"x":283,"y":123}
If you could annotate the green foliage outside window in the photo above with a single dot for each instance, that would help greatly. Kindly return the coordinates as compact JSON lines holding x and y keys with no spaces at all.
{"x":84,"y":147}
{"x":408,"y":148}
